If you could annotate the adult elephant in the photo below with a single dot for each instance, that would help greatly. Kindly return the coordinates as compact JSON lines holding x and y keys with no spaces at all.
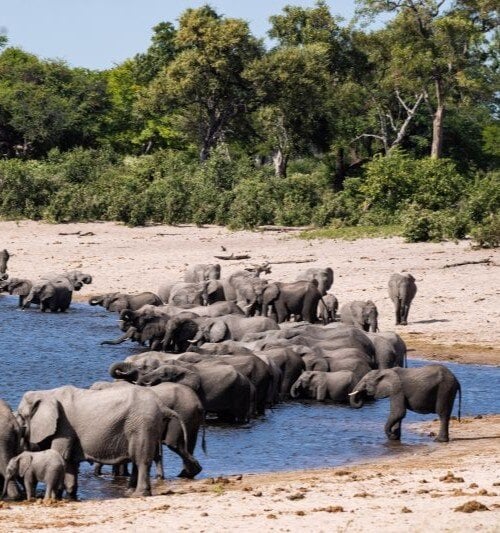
{"x":221,"y":388}
{"x":300,"y":298}
{"x":182,"y":294}
{"x":116,"y":302}
{"x":185,"y":402}
{"x":349,"y":359}
{"x":202,"y":272}
{"x":106,"y":426}
{"x":402,"y":290}
{"x":249,"y":293}
{"x":390,"y":349}
{"x":231,"y":327}
{"x":213,"y":310}
{"x":289,"y":364}
{"x":17,"y":286}
{"x":10,"y":438}
{"x":321,"y":386}
{"x":429,"y":389}
{"x":362,"y":315}
{"x":324,"y":277}
{"x":240,"y":277}
{"x":75,"y":277}
{"x":54,"y":295}
{"x":4,"y":259}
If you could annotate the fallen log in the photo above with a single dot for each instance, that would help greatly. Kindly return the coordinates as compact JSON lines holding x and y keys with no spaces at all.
{"x":232,"y":257}
{"x":480,"y":262}
{"x":292,"y":261}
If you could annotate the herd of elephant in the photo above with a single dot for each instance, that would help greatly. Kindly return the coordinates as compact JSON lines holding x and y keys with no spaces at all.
{"x":227,"y":348}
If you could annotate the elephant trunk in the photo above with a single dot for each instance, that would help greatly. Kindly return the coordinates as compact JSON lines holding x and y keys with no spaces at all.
{"x":124,"y":370}
{"x":5,"y":486}
{"x":356,"y":399}
{"x":197,"y":338}
{"x":95,"y":301}
{"x":130,"y":333}
{"x":294,"y":391}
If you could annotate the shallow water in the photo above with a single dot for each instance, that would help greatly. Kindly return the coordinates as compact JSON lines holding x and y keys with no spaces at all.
{"x":44,"y":350}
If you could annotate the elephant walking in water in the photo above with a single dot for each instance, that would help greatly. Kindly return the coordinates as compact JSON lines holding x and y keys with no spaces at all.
{"x":430,"y":389}
{"x":402,"y":290}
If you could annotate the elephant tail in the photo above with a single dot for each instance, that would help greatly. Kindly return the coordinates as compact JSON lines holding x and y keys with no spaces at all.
{"x":169,"y":414}
{"x":459,"y":401}
{"x":203,"y":439}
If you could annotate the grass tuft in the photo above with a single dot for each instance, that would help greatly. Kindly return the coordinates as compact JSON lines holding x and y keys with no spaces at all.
{"x":351,"y":232}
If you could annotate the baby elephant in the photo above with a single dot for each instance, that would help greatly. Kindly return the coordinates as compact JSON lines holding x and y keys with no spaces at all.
{"x":46,"y":466}
{"x":402,"y":290}
{"x":321,"y":386}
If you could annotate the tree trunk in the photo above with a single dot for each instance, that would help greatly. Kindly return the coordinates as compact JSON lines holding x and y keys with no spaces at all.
{"x":280,"y":161}
{"x":340,"y":170}
{"x":437,"y":123}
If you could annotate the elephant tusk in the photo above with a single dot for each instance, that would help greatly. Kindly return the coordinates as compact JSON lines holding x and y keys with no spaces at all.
{"x":353,"y":393}
{"x":192,"y":341}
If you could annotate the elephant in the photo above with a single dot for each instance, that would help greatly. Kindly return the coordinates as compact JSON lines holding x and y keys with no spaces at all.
{"x":429,"y":389}
{"x":327,"y":308}
{"x":231,"y":327}
{"x":322,"y":386}
{"x":402,"y":290}
{"x":202,"y":293}
{"x":213,"y":310}
{"x":300,"y":298}
{"x":231,"y":283}
{"x":221,"y":389}
{"x":202,"y":272}
{"x":363,"y":315}
{"x":390,"y":349}
{"x":324,"y":277}
{"x":4,"y":259}
{"x":76,"y":278}
{"x":82,"y":425}
{"x":55,"y":295}
{"x":17,"y":286}
{"x":117,"y":301}
{"x":10,"y":446}
{"x":185,"y":402}
{"x":289,"y":364}
{"x":46,"y":466}
{"x":249,"y":293}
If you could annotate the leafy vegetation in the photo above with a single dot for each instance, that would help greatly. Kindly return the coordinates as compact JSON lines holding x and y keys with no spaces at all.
{"x":361,"y":132}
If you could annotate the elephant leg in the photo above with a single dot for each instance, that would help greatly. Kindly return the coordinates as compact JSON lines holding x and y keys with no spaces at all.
{"x":281,"y":311}
{"x":120,"y":470}
{"x":321,"y":392}
{"x":444,"y":421}
{"x":191,"y":466}
{"x":393,"y":426}
{"x":404,"y":314}
{"x":398,"y":311}
{"x":49,"y":492}
{"x":132,"y":482}
{"x":143,"y":487}
{"x":30,"y":486}
{"x":71,"y":480}
{"x":98,"y":469}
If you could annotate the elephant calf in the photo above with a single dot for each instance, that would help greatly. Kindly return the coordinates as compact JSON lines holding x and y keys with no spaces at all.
{"x":322,"y":386}
{"x":430,"y":389}
{"x":47,"y":466}
{"x":402,"y":290}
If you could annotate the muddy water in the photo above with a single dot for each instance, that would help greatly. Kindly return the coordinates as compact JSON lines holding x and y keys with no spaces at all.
{"x":43,"y":351}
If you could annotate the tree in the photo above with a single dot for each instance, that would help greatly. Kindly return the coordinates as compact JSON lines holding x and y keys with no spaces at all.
{"x":440,"y":52}
{"x":202,"y":89}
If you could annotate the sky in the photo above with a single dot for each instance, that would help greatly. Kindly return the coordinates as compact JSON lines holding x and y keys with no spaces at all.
{"x":99,"y":34}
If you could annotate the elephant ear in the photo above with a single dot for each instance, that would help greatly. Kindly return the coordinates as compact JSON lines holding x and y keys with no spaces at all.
{"x":329,"y":274}
{"x":271,"y":292}
{"x":387,"y":384}
{"x":48,"y":291}
{"x":21,"y":289}
{"x":217,"y":331}
{"x":43,"y":419}
{"x":212,"y":286}
{"x":24,"y":462}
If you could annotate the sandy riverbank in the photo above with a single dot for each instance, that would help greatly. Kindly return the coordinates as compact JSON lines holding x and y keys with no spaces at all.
{"x":456,"y":316}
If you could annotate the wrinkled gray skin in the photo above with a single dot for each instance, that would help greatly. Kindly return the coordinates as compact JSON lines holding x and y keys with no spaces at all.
{"x":53,"y":295}
{"x":221,"y":389}
{"x":290,"y":366}
{"x":390,"y":349}
{"x":249,"y":292}
{"x":213,"y":310}
{"x":363,"y":315}
{"x":17,"y":286}
{"x":46,"y":466}
{"x":327,"y":308}
{"x":240,"y":277}
{"x":185,"y":402}
{"x":231,"y":327}
{"x":82,"y":425}
{"x":116,"y":302}
{"x":300,"y":299}
{"x":322,"y":386}
{"x":10,"y":439}
{"x":324,"y":277}
{"x":4,"y":259}
{"x":402,"y":290}
{"x":202,"y":272}
{"x":201,"y":293}
{"x":430,"y":389}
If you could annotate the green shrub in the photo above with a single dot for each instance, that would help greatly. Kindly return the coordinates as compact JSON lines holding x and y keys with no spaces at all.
{"x":254,"y":204}
{"x":487,"y":234}
{"x":483,"y":196}
{"x":426,"y":225}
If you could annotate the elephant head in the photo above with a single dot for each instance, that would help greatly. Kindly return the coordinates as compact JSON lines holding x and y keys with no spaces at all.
{"x":302,"y":385}
{"x":78,"y":278}
{"x":38,"y":414}
{"x":103,"y":299}
{"x":370,"y":317}
{"x":212,"y":272}
{"x":175,"y":373}
{"x":180,"y":333}
{"x":211,"y":291}
{"x":4,"y":258}
{"x":18,"y":286}
{"x":124,"y":370}
{"x":212,"y":331}
{"x":376,"y":384}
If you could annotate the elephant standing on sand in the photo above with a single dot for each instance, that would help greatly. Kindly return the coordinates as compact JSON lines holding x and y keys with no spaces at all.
{"x":402,"y":290}
{"x":324,"y":277}
{"x":327,"y":308}
{"x":202,"y":272}
{"x":10,"y":438}
{"x":4,"y":258}
{"x":362,"y":315}
{"x":46,"y":466}
{"x":430,"y":389}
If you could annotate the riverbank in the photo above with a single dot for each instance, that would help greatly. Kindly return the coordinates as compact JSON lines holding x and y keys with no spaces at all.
{"x":456,"y":312}
{"x":435,"y":487}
